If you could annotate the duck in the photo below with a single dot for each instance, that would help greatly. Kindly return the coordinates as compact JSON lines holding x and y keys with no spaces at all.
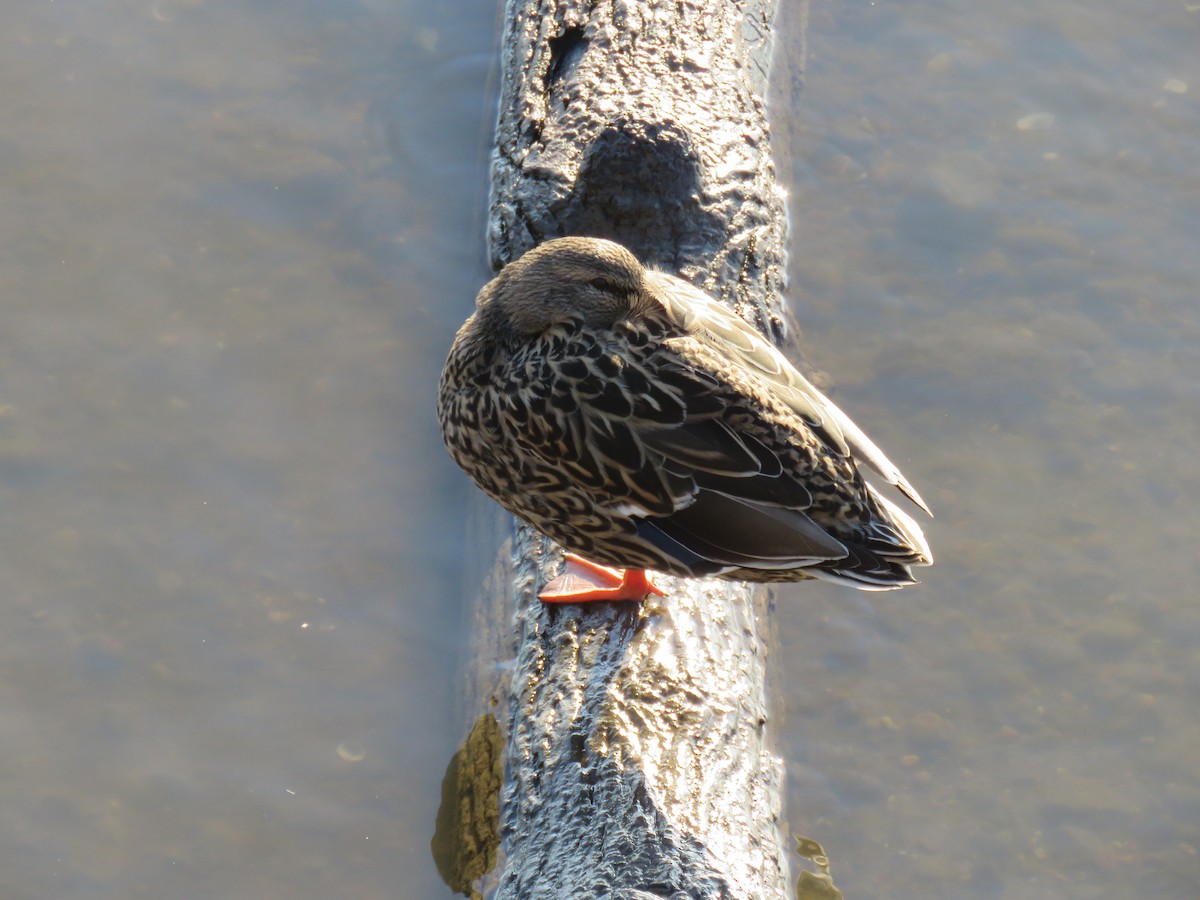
{"x":643,"y":426}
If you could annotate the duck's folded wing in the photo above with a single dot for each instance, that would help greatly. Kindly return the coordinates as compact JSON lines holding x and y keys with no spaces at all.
{"x":746,"y":510}
{"x":754,"y":464}
{"x":698,"y":314}
{"x":740,"y":534}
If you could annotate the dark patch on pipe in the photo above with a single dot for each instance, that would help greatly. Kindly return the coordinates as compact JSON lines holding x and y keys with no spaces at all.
{"x":640,"y":185}
{"x":565,"y":51}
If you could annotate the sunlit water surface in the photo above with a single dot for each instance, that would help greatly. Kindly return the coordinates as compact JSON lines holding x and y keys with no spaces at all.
{"x":236,"y":241}
{"x":994,"y":231}
{"x":236,"y":238}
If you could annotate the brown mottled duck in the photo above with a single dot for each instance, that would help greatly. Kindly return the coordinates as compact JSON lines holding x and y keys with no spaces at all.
{"x":642,"y":425}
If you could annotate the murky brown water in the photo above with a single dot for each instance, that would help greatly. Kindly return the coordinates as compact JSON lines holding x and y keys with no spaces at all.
{"x":236,"y":240}
{"x":995,"y":215}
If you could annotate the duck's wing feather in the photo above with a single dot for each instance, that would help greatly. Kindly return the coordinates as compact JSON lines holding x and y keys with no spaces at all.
{"x":752,"y":511}
{"x":740,"y":532}
{"x":697,"y":314}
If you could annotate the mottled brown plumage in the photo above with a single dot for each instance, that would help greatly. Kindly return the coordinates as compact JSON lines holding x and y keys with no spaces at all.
{"x":639,"y":423}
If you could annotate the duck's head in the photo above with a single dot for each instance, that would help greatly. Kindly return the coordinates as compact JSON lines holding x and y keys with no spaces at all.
{"x":589,"y":281}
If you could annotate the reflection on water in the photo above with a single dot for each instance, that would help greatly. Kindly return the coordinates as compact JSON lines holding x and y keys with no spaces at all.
{"x":466,"y":840}
{"x":236,"y":242}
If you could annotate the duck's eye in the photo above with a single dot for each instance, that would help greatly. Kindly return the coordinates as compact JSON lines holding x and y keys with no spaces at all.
{"x":607,"y":285}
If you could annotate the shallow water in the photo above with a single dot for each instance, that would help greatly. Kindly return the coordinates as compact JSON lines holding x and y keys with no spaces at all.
{"x":236,"y":241}
{"x":994,"y":227}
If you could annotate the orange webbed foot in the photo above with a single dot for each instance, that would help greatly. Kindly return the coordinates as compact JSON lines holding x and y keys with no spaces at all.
{"x":584,"y":581}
